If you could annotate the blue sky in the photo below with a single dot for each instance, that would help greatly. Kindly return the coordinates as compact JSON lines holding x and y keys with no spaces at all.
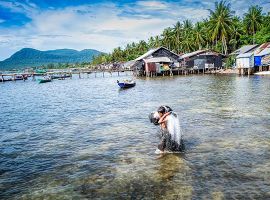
{"x":101,"y":25}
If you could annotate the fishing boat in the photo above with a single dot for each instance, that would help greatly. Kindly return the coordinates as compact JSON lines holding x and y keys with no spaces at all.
{"x":44,"y":80}
{"x":126,"y":83}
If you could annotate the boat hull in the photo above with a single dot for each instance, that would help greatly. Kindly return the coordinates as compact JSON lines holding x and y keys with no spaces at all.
{"x":126,"y":85}
{"x":44,"y":81}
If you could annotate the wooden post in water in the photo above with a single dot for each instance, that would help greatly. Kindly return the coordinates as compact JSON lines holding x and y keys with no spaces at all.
{"x":118,"y":73}
{"x":103,"y":74}
{"x":95,"y":74}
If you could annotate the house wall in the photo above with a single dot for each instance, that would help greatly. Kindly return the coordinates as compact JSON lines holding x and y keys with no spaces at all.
{"x":201,"y":60}
{"x":245,"y":62}
{"x":150,"y":67}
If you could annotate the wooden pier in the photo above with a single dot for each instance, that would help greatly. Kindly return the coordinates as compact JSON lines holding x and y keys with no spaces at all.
{"x":179,"y":71}
{"x":63,"y":73}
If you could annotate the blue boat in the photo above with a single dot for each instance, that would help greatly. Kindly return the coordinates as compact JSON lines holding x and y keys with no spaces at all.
{"x":126,"y":84}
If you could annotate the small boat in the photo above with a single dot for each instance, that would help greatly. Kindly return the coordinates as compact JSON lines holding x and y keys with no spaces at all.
{"x":126,"y":84}
{"x":21,"y":77}
{"x":44,"y":80}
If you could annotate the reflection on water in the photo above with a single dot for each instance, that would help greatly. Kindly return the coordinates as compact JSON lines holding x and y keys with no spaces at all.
{"x":86,"y":139}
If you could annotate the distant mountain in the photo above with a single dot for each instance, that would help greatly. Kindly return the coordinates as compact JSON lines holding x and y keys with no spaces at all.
{"x":28,"y":57}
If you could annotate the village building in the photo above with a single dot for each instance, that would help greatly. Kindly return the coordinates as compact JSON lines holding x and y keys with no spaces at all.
{"x":158,"y":61}
{"x":245,"y":63}
{"x":253,"y":58}
{"x":201,"y":60}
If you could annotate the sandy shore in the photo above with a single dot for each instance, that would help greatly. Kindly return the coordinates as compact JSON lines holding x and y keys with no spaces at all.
{"x":227,"y":71}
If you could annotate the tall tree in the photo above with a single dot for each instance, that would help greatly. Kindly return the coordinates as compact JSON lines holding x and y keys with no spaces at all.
{"x":220,"y":23}
{"x":167,"y":37}
{"x":157,"y":42}
{"x":151,"y":42}
{"x":177,"y":32}
{"x":199,"y":35}
{"x":253,"y":20}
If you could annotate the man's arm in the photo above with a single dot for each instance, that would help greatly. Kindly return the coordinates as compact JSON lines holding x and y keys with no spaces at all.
{"x":163,"y":118}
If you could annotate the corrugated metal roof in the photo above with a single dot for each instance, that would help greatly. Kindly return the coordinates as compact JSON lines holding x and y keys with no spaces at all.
{"x":187,"y":55}
{"x":158,"y":59}
{"x":264,"y":52}
{"x":151,"y":51}
{"x":245,"y":55}
{"x":261,"y":48}
{"x":148,"y":53}
{"x":245,"y":49}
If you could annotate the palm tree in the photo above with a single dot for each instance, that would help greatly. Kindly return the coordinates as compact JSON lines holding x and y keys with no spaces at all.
{"x":253,"y":20}
{"x":236,"y":33}
{"x":220,"y":23}
{"x":151,"y":42}
{"x":177,"y":32}
{"x":157,"y":42}
{"x":187,"y":25}
{"x":187,"y":43}
{"x":167,"y":37}
{"x":199,"y":36}
{"x":142,"y":46}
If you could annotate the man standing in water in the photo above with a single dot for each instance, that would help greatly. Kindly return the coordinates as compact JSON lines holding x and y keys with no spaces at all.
{"x":171,"y":139}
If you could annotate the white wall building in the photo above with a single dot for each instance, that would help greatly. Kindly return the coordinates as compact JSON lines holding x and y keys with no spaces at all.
{"x":245,"y":60}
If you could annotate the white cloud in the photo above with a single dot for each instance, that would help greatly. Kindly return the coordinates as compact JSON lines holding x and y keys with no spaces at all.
{"x":29,"y":9}
{"x":155,"y":5}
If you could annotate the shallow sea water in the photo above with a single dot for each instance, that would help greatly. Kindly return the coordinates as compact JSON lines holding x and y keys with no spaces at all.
{"x":87,"y":139}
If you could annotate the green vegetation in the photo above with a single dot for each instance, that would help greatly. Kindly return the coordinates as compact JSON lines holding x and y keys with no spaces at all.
{"x":222,"y":31}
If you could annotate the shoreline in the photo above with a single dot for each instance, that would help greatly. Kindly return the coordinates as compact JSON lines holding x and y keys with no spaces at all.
{"x":227,"y":71}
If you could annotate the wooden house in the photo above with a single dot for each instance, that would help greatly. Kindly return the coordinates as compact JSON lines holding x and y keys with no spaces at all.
{"x":156,"y":61}
{"x":201,"y":60}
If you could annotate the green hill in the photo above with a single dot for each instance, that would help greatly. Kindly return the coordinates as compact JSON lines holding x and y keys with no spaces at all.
{"x":28,"y":57}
